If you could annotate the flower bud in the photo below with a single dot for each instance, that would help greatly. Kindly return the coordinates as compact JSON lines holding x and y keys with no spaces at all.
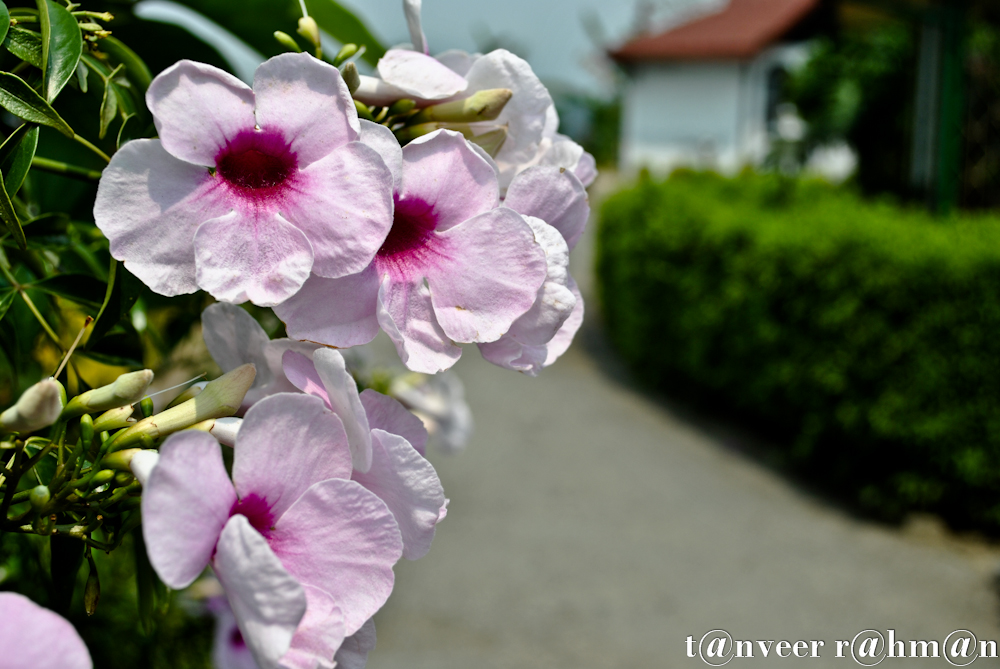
{"x":351,"y":77}
{"x":225,"y":430}
{"x":142,"y":464}
{"x":192,"y":391}
{"x":401,"y":107}
{"x":492,"y":141}
{"x":102,"y":477}
{"x":286,"y":40}
{"x":363,"y":111}
{"x":114,"y":419}
{"x":480,"y":106}
{"x":345,"y":52}
{"x":309,"y":29}
{"x":92,"y":591}
{"x":86,"y":429}
{"x":39,"y":497}
{"x":127,"y":389}
{"x":38,"y":407}
{"x":146,"y":407}
{"x":221,"y":397}
{"x":123,"y":478}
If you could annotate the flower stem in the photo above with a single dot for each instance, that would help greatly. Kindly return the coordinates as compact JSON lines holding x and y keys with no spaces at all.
{"x":86,"y":143}
{"x":41,"y":319}
{"x":59,"y":167}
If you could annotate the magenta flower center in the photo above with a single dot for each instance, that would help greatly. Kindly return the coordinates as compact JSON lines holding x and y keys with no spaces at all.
{"x":256,"y":164}
{"x":412,"y":224}
{"x":257,"y":511}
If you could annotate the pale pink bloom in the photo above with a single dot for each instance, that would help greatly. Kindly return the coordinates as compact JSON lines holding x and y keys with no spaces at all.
{"x":554,"y":202}
{"x":32,"y":636}
{"x":398,"y":472}
{"x":246,"y":191}
{"x":234,"y":338}
{"x":304,"y":554}
{"x":454,"y":268}
{"x":230,"y":651}
{"x":353,"y":653}
{"x":438,"y":400}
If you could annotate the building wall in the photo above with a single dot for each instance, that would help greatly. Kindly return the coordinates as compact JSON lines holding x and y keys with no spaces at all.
{"x":681,"y":114}
{"x":705,"y":114}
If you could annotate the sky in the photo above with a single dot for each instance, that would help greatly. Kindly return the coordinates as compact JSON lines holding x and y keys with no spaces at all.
{"x":551,"y":34}
{"x":562,"y":39}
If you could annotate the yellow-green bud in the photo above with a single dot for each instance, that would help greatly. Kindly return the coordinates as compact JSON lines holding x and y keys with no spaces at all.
{"x":491,"y":141}
{"x":146,"y":407}
{"x":287,"y":41}
{"x":480,"y":106}
{"x":345,"y":52}
{"x":363,"y":111}
{"x":39,"y":497}
{"x":86,"y":429}
{"x":221,"y":397}
{"x":92,"y":591}
{"x":411,"y":132}
{"x":39,"y":406}
{"x":309,"y":30}
{"x":102,"y":477}
{"x":401,"y":107}
{"x":114,"y":419}
{"x":192,"y":391}
{"x":352,"y":77}
{"x":127,"y":389}
{"x":123,"y":478}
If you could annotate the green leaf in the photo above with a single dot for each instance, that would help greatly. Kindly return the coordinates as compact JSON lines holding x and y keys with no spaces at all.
{"x":4,"y":21}
{"x":80,"y":288}
{"x":16,"y":160}
{"x":345,"y":27}
{"x":81,"y":76}
{"x":122,"y":292}
{"x":21,"y":100}
{"x":118,"y":349}
{"x":109,"y":103}
{"x":25,"y":44}
{"x":6,"y":300}
{"x":62,"y":46}
{"x":135,"y":67}
{"x":9,"y":217}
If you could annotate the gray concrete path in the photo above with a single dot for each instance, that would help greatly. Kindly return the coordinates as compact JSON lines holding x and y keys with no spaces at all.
{"x":592,"y":527}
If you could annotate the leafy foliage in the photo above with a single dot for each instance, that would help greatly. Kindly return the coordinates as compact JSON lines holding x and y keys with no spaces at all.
{"x":861,"y":336}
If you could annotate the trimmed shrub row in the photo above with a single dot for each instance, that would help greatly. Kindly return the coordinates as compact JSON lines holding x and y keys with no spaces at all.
{"x":863,"y":336}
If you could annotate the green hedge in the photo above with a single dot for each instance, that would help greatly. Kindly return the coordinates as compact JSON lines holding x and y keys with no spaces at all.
{"x":865,"y":337}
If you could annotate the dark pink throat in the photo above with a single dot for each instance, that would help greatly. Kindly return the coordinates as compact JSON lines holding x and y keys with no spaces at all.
{"x":412,"y":225}
{"x":257,"y":164}
{"x":257,"y":511}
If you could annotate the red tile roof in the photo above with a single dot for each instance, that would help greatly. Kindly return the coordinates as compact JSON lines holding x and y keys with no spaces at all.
{"x":741,"y":30}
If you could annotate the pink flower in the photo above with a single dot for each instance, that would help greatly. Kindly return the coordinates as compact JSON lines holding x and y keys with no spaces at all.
{"x":397,"y":472}
{"x":246,"y":191}
{"x":229,"y":650}
{"x":454,"y":268}
{"x":32,"y":636}
{"x":554,"y":202}
{"x":304,"y":554}
{"x":234,"y":338}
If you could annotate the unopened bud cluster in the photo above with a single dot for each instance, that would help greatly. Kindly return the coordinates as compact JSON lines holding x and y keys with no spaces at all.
{"x":100,"y":446}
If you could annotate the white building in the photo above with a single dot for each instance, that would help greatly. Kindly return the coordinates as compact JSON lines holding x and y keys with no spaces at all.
{"x":707,"y":93}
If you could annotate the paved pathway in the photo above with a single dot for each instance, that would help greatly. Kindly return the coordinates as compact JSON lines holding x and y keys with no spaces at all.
{"x":592,"y":527}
